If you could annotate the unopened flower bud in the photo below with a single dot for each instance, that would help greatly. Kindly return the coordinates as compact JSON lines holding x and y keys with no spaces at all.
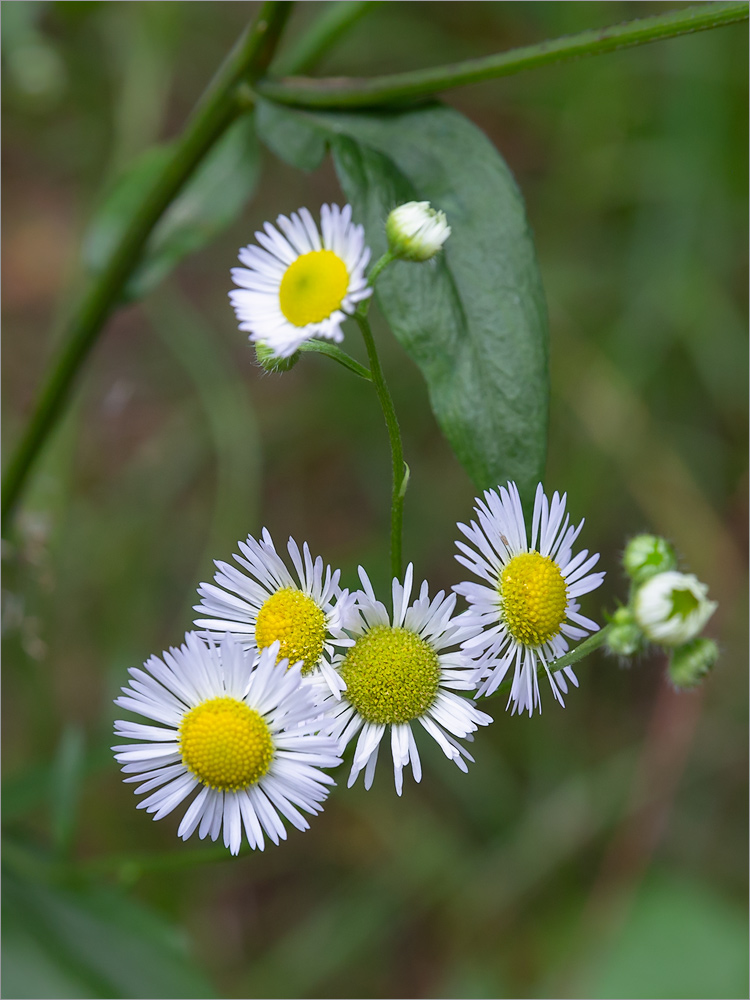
{"x":647,"y":555}
{"x":690,"y":663}
{"x":672,"y":608}
{"x":416,"y":231}
{"x":624,"y":637}
{"x":270,"y":362}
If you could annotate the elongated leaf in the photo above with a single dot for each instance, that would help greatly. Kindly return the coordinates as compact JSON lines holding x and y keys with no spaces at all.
{"x":474,"y":320}
{"x":208,"y":203}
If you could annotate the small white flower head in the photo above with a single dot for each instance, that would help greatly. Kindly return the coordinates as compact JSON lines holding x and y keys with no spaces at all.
{"x":647,"y":555}
{"x":301,"y":283}
{"x":672,"y":608}
{"x":242,"y":730}
{"x":527,"y":607}
{"x":400,"y":671}
{"x":416,"y":231}
{"x":306,"y":614}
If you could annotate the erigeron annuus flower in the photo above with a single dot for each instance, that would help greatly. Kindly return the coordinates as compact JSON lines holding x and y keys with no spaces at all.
{"x":528,"y":607}
{"x":242,"y":729}
{"x":301,"y":283}
{"x":401,"y":671}
{"x":416,"y":231}
{"x":672,"y":607}
{"x":306,"y":615}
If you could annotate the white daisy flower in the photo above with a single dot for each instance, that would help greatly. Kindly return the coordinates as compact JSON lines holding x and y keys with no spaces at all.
{"x":530,"y":607}
{"x":241,"y":729}
{"x":270,"y":605}
{"x":403,"y":671}
{"x":301,"y":283}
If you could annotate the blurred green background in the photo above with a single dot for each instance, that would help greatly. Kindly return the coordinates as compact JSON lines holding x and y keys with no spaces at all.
{"x":597,"y":851}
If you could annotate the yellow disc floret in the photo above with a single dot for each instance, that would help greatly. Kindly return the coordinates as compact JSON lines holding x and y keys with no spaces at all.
{"x":534,"y":598}
{"x":225,"y":744}
{"x":313,"y":287}
{"x":391,"y":675}
{"x":297,"y":622}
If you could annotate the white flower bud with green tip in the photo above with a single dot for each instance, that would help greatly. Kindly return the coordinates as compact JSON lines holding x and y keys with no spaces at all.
{"x":416,"y":231}
{"x":672,"y":608}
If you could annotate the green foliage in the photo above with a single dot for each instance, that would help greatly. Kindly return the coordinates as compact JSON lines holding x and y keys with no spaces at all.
{"x":475,"y":320}
{"x":208,"y":203}
{"x":90,"y":942}
{"x":682,"y":939}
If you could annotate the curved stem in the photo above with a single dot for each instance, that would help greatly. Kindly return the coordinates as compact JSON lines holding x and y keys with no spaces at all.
{"x":215,"y":111}
{"x":354,"y":93}
{"x":400,"y":469}
{"x":336,"y":354}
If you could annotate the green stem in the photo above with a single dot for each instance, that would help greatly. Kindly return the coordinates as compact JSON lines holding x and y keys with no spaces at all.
{"x":582,"y":649}
{"x":357,"y":93}
{"x":335,"y":20}
{"x":400,"y":469}
{"x":331,"y":351}
{"x":216,"y":110}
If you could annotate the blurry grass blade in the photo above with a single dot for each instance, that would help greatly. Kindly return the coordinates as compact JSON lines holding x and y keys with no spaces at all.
{"x":208,"y":203}
{"x":65,"y":789}
{"x":474,"y":322}
{"x":333,"y":22}
{"x":90,"y":943}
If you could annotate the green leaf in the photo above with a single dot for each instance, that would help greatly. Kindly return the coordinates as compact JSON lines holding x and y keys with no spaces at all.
{"x":474,"y":320}
{"x":209,"y":202}
{"x":90,"y":942}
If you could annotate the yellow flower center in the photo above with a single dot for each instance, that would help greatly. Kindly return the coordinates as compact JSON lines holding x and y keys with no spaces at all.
{"x":225,"y":744}
{"x":391,"y":675}
{"x":534,"y":598}
{"x":297,"y":622}
{"x":313,"y":287}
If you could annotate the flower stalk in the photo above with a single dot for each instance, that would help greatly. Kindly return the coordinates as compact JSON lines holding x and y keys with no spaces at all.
{"x":399,"y":87}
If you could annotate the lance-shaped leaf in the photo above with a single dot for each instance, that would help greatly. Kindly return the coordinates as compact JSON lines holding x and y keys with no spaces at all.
{"x":474,"y":320}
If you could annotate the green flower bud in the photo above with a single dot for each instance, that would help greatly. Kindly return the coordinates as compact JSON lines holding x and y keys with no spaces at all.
{"x":416,"y":231}
{"x":672,"y":608}
{"x":624,"y":637}
{"x":690,"y":663}
{"x":270,"y":362}
{"x":647,"y":555}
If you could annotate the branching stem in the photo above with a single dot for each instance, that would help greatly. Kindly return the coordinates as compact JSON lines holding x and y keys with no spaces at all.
{"x":399,"y":87}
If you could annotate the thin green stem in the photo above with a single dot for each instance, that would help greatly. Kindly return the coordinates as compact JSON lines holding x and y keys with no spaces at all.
{"x":400,"y":469}
{"x":358,"y":93}
{"x":214,"y":113}
{"x":377,"y":268}
{"x":582,"y":649}
{"x":336,"y":19}
{"x":336,"y":354}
